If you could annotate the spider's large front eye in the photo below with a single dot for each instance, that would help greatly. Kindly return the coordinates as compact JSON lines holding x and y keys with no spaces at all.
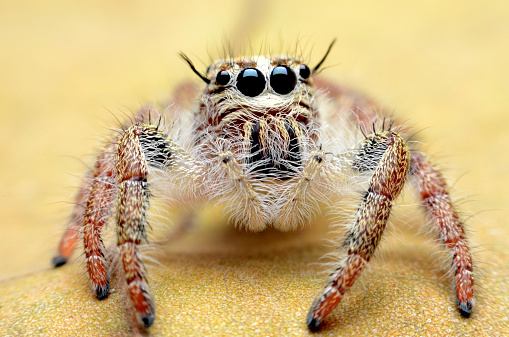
{"x":282,"y":80}
{"x":223,"y":77}
{"x":251,"y":82}
{"x":304,"y":71}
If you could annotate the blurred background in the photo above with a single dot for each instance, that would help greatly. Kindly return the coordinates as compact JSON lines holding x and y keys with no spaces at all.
{"x":65,"y":67}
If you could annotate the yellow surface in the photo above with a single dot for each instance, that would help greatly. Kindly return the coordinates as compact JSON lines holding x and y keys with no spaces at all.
{"x":65,"y":65}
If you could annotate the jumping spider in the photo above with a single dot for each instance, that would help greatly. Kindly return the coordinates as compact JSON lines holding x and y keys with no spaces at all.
{"x":268,"y":138}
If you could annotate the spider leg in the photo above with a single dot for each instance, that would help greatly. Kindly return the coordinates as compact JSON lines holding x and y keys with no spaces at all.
{"x":91,"y":213}
{"x":71,"y":235}
{"x":438,"y":205}
{"x":101,"y":196}
{"x":140,"y":146}
{"x":290,"y":210}
{"x":75,"y":227}
{"x":387,"y":154}
{"x":251,"y":202}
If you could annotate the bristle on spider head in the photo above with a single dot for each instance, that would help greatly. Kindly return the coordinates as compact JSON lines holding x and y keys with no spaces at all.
{"x":315,"y":69}
{"x":191,"y":65}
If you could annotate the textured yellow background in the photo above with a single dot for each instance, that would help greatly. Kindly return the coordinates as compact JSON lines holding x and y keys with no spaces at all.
{"x":65,"y":65}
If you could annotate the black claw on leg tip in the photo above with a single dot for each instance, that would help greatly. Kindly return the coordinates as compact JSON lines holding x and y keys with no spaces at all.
{"x":148,"y":320}
{"x":465,"y":308}
{"x":102,"y":292}
{"x":58,"y":261}
{"x":313,"y":323}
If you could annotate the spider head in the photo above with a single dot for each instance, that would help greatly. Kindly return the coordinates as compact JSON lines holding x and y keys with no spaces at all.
{"x":260,"y":87}
{"x":257,"y":88}
{"x":262,"y":108}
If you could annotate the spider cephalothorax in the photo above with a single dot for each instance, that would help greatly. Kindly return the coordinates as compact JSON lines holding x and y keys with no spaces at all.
{"x":267,"y":138}
{"x":265,"y":109}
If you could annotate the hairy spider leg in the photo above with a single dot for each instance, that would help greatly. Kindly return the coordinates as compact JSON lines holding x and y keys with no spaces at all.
{"x":440,"y":210}
{"x":72,"y":233}
{"x":139,"y":146}
{"x":133,"y":202}
{"x":183,"y":96}
{"x":90,"y":214}
{"x":433,"y":190}
{"x":97,"y":211}
{"x":387,"y":153}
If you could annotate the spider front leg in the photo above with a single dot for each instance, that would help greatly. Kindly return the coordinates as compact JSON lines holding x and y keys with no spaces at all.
{"x":140,"y":146}
{"x":438,"y":205}
{"x":388,"y":155}
{"x":119,"y":179}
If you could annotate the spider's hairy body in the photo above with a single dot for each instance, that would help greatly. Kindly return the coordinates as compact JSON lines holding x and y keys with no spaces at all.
{"x":269,"y":140}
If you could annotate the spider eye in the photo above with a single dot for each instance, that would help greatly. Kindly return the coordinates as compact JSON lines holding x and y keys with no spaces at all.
{"x":304,"y":71}
{"x":223,"y":77}
{"x":282,"y":80}
{"x":251,"y":82}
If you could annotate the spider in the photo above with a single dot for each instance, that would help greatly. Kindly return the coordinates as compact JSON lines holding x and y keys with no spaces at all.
{"x":268,"y":138}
